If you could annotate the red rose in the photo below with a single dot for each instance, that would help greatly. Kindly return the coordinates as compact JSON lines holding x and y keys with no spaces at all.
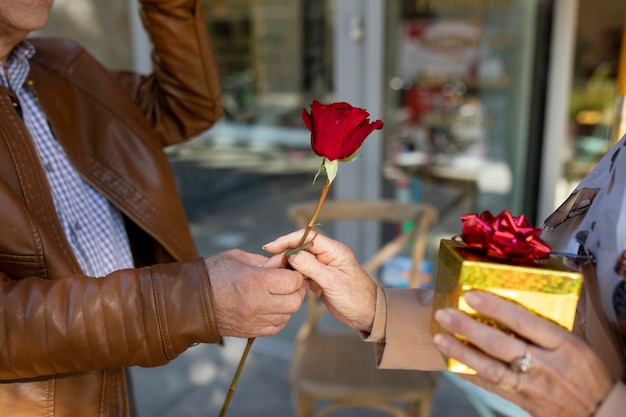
{"x":338,"y":129}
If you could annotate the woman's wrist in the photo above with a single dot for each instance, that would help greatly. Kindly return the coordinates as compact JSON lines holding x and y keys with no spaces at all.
{"x":374,"y":331}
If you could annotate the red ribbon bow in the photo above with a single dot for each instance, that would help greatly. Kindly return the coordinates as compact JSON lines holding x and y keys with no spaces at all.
{"x":503,"y":236}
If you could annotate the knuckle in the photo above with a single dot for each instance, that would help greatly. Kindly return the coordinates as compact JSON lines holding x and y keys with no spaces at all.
{"x":524,"y":319}
{"x":495,"y":374}
{"x":233,"y":253}
{"x":273,"y":331}
{"x":501,"y":344}
{"x":294,"y":281}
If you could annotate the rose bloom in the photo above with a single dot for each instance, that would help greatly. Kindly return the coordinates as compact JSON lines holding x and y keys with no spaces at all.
{"x":338,"y":129}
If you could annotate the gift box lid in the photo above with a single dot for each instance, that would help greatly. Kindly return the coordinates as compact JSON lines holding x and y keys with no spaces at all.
{"x":474,"y":268}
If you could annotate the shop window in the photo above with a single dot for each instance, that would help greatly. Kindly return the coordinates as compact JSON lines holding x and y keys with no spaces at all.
{"x":461,"y":77}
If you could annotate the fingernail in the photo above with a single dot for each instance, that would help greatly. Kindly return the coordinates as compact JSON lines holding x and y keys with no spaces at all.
{"x":267,"y":244}
{"x":443,"y":317}
{"x":472,"y":298}
{"x":440,"y":340}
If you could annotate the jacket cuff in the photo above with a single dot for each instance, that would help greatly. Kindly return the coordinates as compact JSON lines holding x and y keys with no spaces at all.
{"x":184,"y":306}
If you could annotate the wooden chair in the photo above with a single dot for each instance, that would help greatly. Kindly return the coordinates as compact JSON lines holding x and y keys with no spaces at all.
{"x":333,"y":369}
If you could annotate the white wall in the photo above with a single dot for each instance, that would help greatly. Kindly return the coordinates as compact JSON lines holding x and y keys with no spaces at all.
{"x":359,"y":64}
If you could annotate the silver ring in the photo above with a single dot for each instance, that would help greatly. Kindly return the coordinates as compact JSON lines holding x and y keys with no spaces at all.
{"x":522,"y":364}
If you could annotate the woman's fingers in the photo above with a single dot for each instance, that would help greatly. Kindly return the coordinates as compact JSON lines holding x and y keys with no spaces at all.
{"x":488,"y":339}
{"x":517,"y":318}
{"x":541,"y":366}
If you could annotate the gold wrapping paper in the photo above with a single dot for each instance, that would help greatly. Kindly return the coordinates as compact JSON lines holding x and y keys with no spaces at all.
{"x":546,"y":287}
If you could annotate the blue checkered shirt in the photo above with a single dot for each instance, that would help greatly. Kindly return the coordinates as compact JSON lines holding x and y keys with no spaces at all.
{"x":94,"y":228}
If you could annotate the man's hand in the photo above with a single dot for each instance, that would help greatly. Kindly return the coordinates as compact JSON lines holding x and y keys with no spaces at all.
{"x":252,"y":300}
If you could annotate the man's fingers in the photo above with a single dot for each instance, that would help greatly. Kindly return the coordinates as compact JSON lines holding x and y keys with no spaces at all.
{"x":267,"y":325}
{"x":282,"y":281}
{"x":247,"y":258}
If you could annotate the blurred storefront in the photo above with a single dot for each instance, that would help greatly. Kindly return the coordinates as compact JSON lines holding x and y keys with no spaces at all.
{"x":269,"y":63}
{"x":462,"y":104}
{"x":476,"y":99}
{"x":275,"y":57}
{"x":488,"y":104}
{"x":464,"y":86}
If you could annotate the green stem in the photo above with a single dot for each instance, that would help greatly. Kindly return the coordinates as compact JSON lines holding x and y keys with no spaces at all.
{"x":316,"y":213}
{"x":233,"y":385}
{"x":244,"y":356}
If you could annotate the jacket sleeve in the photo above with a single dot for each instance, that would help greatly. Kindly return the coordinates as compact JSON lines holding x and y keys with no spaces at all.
{"x":143,"y":317}
{"x":182,"y":96}
{"x":407,"y":342}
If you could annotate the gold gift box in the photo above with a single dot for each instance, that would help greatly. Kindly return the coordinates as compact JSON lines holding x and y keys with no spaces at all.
{"x":546,"y":287}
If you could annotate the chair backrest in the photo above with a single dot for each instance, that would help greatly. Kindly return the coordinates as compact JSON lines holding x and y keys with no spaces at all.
{"x":420,"y":216}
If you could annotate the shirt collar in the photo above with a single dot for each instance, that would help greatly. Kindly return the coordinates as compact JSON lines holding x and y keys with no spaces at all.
{"x":17,"y":66}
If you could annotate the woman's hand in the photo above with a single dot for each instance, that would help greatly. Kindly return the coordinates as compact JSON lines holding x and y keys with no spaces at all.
{"x":335,"y":275}
{"x":564,"y":376}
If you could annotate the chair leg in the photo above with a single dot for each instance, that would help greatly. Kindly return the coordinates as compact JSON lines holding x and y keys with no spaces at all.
{"x":420,"y":408}
{"x":303,"y":404}
{"x":425,"y":406}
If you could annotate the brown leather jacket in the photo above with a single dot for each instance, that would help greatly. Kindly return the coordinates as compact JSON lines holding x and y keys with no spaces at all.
{"x":65,"y":338}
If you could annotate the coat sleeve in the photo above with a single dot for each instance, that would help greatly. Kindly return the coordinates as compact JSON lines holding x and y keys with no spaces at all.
{"x":181,"y":98}
{"x":143,"y":317}
{"x":407,"y":342}
{"x":613,"y":404}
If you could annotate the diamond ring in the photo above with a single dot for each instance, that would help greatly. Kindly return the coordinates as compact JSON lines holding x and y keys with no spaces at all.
{"x":524,"y":363}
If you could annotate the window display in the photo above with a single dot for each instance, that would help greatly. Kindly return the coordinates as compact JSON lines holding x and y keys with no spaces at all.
{"x":459,"y":98}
